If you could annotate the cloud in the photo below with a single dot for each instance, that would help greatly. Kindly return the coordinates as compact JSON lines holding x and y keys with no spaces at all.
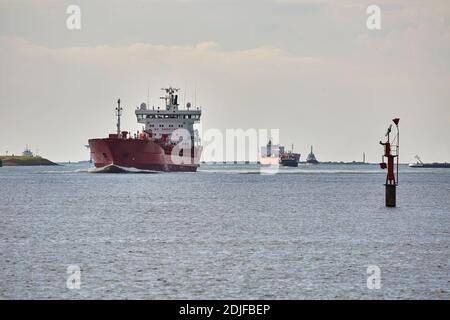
{"x":250,"y":64}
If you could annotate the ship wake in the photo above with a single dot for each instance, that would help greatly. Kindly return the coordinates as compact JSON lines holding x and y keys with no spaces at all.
{"x":118,"y":169}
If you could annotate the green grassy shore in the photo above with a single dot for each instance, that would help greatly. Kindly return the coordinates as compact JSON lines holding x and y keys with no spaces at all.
{"x":25,"y":161}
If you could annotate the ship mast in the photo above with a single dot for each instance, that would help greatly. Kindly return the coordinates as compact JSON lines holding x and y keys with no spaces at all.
{"x":118,"y":114}
{"x":171,"y":98}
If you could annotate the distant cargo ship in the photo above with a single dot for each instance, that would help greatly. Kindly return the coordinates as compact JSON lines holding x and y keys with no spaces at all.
{"x":160,"y":145}
{"x":290,"y":158}
{"x":275,"y":155}
{"x":420,"y":164}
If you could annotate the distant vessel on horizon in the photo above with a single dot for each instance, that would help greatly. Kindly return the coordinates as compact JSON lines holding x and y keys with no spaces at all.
{"x":420,"y":164}
{"x":27,"y":152}
{"x":270,"y":154}
{"x":311,"y":157}
{"x":276,"y":155}
{"x":290,"y":158}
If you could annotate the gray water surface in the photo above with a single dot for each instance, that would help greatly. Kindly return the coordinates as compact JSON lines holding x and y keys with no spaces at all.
{"x":225,"y":232}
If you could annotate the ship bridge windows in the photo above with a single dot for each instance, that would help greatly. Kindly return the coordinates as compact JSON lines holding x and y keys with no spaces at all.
{"x":168,"y":116}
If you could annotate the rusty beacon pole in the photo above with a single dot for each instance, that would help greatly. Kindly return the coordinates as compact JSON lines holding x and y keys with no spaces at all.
{"x":391,"y":152}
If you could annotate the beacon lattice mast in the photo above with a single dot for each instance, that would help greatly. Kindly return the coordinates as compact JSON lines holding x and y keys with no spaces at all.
{"x":391,"y":152}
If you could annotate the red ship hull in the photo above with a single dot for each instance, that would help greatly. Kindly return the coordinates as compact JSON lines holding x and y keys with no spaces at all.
{"x":140,"y":154}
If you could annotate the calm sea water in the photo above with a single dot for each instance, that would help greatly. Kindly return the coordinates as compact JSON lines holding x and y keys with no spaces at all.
{"x":224,"y":232}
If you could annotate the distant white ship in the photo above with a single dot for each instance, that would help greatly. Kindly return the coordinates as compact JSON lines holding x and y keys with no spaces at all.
{"x":270,"y":154}
{"x":27,"y":152}
{"x":420,"y":164}
{"x":274,"y":154}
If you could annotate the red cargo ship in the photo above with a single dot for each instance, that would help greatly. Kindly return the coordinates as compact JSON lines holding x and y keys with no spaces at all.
{"x":167,"y":142}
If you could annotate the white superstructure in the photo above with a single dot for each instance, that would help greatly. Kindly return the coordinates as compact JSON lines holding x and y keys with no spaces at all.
{"x":163,"y":122}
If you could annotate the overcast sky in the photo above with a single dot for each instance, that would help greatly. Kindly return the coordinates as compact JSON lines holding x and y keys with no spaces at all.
{"x":310,"y":68}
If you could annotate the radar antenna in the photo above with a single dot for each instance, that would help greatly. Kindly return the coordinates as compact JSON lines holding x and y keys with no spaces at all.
{"x":171,"y":97}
